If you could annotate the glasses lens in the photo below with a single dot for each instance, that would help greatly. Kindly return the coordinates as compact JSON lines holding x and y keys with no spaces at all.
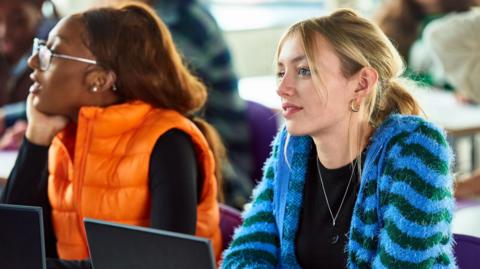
{"x":44,"y":56}
{"x":43,"y":53}
{"x":35,"y":46}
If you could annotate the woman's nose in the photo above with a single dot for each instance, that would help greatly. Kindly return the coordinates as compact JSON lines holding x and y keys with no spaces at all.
{"x":33,"y":61}
{"x":285,"y":86}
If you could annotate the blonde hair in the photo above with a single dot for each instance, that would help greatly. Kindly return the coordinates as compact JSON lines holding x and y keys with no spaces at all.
{"x":359,"y":43}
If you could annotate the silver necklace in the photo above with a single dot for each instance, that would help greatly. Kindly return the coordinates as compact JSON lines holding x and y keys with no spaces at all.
{"x":335,"y":237}
{"x":334,"y":218}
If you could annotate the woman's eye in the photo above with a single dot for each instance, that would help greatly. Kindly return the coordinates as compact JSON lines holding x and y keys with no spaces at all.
{"x":53,"y":49}
{"x":304,"y":72}
{"x":280,"y":74}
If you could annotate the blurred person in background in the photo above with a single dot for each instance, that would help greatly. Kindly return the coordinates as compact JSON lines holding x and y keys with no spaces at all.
{"x":404,"y":21}
{"x":455,"y":41}
{"x":20,"y":22}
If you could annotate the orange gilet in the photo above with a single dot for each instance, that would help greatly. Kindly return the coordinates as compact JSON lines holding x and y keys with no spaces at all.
{"x":101,"y":171}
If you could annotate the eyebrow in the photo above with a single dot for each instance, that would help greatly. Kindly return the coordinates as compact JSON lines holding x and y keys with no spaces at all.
{"x":294,"y":60}
{"x":59,"y":37}
{"x":62,"y":38}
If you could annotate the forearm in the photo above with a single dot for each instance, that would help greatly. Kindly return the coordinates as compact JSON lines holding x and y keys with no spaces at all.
{"x":27,"y":183}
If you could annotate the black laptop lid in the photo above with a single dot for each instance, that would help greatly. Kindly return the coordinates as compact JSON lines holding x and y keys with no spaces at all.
{"x":124,"y":246}
{"x":21,"y":237}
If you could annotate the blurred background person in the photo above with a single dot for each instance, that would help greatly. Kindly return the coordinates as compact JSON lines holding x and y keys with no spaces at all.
{"x":20,"y":22}
{"x":455,"y":41}
{"x":404,"y":21}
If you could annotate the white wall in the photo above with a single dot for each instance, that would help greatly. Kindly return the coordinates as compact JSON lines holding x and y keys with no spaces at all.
{"x":66,"y":7}
{"x":253,"y":50}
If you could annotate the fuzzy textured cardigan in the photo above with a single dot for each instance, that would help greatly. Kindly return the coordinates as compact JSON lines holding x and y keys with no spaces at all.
{"x":401,"y":217}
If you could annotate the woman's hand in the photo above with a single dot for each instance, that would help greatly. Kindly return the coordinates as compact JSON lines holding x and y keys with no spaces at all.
{"x":42,"y":128}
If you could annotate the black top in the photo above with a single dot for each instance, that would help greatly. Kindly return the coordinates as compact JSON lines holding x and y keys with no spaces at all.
{"x":318,"y":243}
{"x":174,"y":180}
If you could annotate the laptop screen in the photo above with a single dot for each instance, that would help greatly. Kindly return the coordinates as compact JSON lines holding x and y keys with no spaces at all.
{"x":21,"y":237}
{"x":124,"y":246}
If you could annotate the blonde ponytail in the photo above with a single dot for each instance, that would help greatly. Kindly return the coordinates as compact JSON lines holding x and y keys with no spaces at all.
{"x":394,"y":97}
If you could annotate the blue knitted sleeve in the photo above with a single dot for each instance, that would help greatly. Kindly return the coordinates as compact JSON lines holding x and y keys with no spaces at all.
{"x":255,"y":244}
{"x":416,"y":201}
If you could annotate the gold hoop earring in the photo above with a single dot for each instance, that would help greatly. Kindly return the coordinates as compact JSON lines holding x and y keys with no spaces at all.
{"x":352,"y":106}
{"x":94,"y":89}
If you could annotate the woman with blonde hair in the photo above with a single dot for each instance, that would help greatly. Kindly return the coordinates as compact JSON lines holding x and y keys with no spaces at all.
{"x":357,"y":178}
{"x":111,"y":134}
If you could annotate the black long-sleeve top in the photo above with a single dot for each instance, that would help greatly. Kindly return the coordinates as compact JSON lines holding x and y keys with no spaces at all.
{"x":173,"y":202}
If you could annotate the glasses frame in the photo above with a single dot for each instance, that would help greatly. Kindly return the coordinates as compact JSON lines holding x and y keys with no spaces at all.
{"x":40,"y":45}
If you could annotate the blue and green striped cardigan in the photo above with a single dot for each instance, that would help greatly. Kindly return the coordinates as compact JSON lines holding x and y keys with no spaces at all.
{"x":401,"y":217}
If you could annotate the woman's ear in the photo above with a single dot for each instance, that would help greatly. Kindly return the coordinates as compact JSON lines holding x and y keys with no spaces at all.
{"x":367,"y":78}
{"x":100,"y":80}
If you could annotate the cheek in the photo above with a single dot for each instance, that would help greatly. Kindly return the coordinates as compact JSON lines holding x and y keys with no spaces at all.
{"x":326,"y":110}
{"x":65,"y":75}
{"x":61,"y":93}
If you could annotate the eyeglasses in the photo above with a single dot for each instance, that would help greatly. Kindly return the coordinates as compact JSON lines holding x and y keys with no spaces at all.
{"x":45,"y":55}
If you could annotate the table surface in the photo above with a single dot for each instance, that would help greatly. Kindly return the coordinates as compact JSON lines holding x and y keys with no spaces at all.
{"x":7,"y":160}
{"x":441,"y":107}
{"x":444,"y":109}
{"x":466,"y":219}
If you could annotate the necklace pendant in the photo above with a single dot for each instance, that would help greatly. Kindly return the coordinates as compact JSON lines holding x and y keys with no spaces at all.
{"x":334,"y":239}
{"x":333,"y":223}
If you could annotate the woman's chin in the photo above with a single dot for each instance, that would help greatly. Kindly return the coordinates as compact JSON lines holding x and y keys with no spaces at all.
{"x":40,"y":106}
{"x":295,"y":130}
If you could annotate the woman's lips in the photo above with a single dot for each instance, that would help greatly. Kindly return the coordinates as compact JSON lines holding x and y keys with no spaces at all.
{"x":289,"y":109}
{"x":35,"y":88}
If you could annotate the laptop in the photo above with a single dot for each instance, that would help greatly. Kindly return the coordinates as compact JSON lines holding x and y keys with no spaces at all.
{"x":123,"y":246}
{"x":21,"y":237}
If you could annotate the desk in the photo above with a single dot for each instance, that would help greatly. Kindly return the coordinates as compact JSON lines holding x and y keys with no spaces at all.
{"x":466,"y":220}
{"x":443,"y":108}
{"x":7,"y":161}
